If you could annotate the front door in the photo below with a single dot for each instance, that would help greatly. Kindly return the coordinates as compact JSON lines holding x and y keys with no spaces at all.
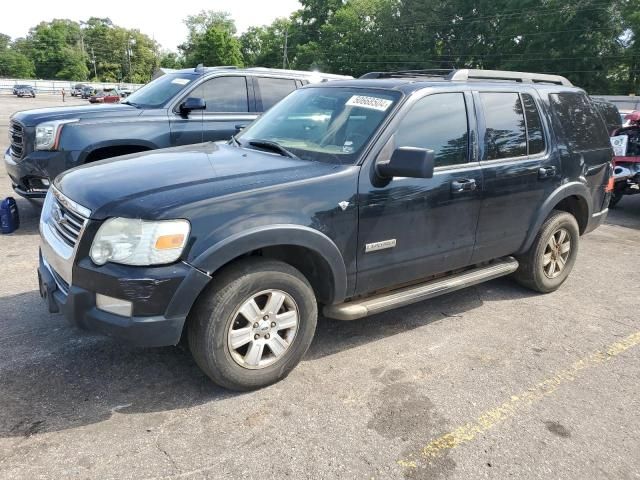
{"x":227,"y":109}
{"x":412,"y":228}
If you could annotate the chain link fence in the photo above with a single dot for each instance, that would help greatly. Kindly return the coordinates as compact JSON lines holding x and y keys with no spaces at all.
{"x":56,"y":86}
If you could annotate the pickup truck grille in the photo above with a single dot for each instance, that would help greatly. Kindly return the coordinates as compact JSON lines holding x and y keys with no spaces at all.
{"x":16,"y":137}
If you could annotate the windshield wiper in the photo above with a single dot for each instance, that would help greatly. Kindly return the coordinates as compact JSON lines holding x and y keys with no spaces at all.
{"x":133,"y":104}
{"x":235,"y":141}
{"x":273,"y":146}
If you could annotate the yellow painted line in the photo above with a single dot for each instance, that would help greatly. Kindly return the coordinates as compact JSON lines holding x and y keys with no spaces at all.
{"x":517,"y":403}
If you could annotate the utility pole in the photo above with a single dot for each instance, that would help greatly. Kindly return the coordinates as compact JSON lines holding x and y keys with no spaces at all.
{"x":93,"y":60}
{"x":285,"y":60}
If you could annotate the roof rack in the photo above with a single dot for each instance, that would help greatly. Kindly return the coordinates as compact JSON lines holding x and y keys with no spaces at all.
{"x":520,"y":77}
{"x":435,"y":73}
{"x":465,"y":75}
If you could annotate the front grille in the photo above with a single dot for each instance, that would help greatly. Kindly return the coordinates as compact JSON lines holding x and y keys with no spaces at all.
{"x":68,"y":223}
{"x":16,"y":137}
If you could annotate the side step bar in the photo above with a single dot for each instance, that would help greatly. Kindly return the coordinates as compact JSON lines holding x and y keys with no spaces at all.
{"x":416,"y":293}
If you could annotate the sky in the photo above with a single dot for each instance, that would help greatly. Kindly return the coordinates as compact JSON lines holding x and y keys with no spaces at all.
{"x":165,"y":24}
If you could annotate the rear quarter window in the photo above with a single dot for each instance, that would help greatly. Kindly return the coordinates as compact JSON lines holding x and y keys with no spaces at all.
{"x":580,"y":121}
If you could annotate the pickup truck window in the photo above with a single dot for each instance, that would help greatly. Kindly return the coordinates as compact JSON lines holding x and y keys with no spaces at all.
{"x":224,"y":94}
{"x":437,"y":122}
{"x":157,"y":93}
{"x":327,"y":124}
{"x":505,"y":134}
{"x":272,"y":90}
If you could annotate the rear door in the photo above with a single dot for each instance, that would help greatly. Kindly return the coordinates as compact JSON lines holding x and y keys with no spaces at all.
{"x":519,"y":168}
{"x":228,"y":101}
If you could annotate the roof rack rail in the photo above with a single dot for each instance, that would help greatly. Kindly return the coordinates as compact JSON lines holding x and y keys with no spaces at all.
{"x":474,"y":74}
{"x":521,"y":77}
{"x":435,"y":72}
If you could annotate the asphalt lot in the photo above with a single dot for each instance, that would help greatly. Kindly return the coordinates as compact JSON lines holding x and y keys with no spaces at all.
{"x":489,"y":382}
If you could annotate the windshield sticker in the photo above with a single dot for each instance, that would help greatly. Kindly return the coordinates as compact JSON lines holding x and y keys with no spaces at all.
{"x":373,"y":103}
{"x":180,"y":81}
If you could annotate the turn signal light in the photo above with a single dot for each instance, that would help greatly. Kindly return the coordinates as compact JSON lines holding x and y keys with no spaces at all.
{"x":168,"y":242}
{"x":609,"y":185}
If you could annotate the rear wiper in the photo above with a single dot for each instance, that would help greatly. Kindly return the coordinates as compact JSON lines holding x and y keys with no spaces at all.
{"x":273,"y":146}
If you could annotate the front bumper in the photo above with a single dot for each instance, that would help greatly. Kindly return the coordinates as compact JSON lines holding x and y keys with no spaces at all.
{"x":30,"y":175}
{"x":161,"y":296}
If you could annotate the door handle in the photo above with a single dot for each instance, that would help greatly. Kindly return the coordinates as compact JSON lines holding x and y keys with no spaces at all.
{"x":547,"y":172}
{"x":464,"y":185}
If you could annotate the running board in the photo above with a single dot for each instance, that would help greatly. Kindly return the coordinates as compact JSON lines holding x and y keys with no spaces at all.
{"x":416,"y":293}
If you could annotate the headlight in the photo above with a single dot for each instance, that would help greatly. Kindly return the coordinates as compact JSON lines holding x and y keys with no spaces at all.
{"x":139,"y":242}
{"x":48,"y":134}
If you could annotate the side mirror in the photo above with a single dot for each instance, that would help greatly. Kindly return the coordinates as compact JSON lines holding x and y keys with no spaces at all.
{"x":409,"y":162}
{"x":192,"y":103}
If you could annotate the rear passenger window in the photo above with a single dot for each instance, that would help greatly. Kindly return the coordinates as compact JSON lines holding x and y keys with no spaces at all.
{"x":272,"y":90}
{"x":505,"y":133}
{"x":535,"y":135}
{"x":581,"y":123}
{"x":437,"y":122}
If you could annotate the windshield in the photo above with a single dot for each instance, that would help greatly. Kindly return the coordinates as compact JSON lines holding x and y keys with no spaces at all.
{"x":329,"y":124}
{"x":157,"y":93}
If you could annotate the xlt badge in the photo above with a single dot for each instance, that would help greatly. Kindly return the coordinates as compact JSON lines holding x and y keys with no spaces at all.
{"x":372,"y":247}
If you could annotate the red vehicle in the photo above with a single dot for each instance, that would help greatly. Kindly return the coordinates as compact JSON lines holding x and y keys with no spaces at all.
{"x":111,"y":96}
{"x":626,"y":163}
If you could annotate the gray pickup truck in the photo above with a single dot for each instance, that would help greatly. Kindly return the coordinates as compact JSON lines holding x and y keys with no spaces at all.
{"x":183,"y":107}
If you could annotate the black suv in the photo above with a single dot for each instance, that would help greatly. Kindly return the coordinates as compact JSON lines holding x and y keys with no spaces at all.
{"x":360,"y":196}
{"x":182,"y":107}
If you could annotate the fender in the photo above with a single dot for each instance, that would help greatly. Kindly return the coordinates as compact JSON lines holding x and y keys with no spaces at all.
{"x":121,"y":142}
{"x":567,"y":190}
{"x":273,"y":235}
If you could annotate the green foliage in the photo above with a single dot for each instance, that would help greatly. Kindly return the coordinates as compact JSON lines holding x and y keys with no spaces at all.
{"x":211,"y":40}
{"x":592,"y":42}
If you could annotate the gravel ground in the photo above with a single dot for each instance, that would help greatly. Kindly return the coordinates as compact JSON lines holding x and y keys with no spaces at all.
{"x":489,"y":382}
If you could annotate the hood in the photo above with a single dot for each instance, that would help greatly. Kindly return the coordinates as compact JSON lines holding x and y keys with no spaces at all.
{"x":30,"y":118}
{"x":149,"y":184}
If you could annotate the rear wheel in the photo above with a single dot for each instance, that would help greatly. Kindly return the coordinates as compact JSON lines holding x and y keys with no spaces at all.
{"x":547,"y":264}
{"x":252,"y":326}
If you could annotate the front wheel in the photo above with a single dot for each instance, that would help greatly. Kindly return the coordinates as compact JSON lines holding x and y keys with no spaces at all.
{"x":550,"y":259}
{"x":253,"y":324}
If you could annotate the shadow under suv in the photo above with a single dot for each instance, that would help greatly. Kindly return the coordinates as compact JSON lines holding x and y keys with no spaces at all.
{"x":179,"y":108}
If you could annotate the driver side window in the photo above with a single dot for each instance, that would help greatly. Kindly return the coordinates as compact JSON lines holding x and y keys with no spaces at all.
{"x":224,"y":94}
{"x":437,"y":122}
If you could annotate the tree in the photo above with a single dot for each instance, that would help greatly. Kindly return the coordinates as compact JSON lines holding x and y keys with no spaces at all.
{"x":12,"y":62}
{"x":170,"y":60}
{"x":55,"y":48}
{"x":264,"y":46}
{"x":211,"y":40}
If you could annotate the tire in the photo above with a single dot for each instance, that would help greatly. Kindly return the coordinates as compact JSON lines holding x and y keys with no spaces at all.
{"x":217,"y":312}
{"x":543,"y":277}
{"x":615,"y":198}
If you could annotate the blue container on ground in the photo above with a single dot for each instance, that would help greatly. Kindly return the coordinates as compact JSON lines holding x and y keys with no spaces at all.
{"x":9,"y":218}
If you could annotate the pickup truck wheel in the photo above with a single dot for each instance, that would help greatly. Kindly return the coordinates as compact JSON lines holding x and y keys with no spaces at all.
{"x":547,"y":264}
{"x":253,"y":324}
